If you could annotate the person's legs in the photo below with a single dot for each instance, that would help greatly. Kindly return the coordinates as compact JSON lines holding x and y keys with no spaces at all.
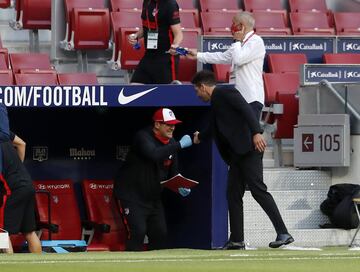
{"x":253,"y":173}
{"x":235,"y":193}
{"x":33,"y":242}
{"x":136,"y":218}
{"x":157,"y":229}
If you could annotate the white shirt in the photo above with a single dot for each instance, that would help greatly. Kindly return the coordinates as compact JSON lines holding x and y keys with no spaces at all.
{"x":247,"y":60}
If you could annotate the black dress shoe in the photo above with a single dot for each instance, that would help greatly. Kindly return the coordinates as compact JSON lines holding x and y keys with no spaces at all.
{"x":282,"y":239}
{"x":234,"y":245}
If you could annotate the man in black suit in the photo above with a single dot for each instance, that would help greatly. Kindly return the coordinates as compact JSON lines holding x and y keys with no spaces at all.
{"x":236,"y":130}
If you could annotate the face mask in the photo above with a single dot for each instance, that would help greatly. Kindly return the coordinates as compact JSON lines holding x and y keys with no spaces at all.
{"x":234,"y":28}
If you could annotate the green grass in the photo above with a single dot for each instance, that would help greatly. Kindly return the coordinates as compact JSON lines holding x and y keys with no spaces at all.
{"x":326,"y":260}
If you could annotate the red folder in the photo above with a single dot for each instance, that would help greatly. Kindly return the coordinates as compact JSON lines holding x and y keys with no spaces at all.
{"x":177,"y":182}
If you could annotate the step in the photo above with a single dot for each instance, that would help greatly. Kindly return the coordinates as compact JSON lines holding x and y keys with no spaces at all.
{"x":286,"y":179}
{"x":303,"y":237}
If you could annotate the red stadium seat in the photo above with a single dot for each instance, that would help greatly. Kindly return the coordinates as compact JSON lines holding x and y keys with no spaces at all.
{"x":341,"y":58}
{"x":40,"y":79}
{"x":312,"y":6}
{"x":310,"y":23}
{"x":257,"y":5}
{"x":188,"y":67}
{"x":307,"y":5}
{"x":64,"y":210}
{"x":118,"y":5}
{"x":129,"y":57}
{"x":5,"y":56}
{"x":102,"y":210}
{"x":3,"y":64}
{"x":77,"y":79}
{"x":284,"y":63}
{"x":279,"y":83}
{"x":347,"y":23}
{"x":222,"y":72}
{"x":216,"y":5}
{"x":20,"y":61}
{"x":5,"y":3}
{"x":189,"y":19}
{"x":6,"y":78}
{"x":286,"y":121}
{"x":32,"y":14}
{"x":122,"y":19}
{"x":215,"y":22}
{"x":186,"y":4}
{"x":91,"y":29}
{"x":70,"y":5}
{"x":270,"y":23}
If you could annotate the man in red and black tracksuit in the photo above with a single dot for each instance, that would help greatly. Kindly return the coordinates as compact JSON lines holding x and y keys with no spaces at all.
{"x":17,"y":197}
{"x":162,"y":34}
{"x":151,"y":159}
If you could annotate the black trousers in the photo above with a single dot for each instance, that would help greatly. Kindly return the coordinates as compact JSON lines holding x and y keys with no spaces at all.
{"x":156,"y":69}
{"x":248,"y":170}
{"x":145,"y":220}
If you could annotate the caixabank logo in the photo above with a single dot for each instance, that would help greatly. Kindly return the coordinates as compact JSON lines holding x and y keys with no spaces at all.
{"x":352,"y":75}
{"x":351,"y":47}
{"x":217,"y":45}
{"x":277,"y":46}
{"x":324,"y":75}
{"x":307,"y":46}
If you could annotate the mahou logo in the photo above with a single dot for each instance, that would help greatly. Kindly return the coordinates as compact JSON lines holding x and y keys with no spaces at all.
{"x":82,"y":153}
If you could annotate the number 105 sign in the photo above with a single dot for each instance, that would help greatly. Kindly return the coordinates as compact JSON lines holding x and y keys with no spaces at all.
{"x":322,"y":140}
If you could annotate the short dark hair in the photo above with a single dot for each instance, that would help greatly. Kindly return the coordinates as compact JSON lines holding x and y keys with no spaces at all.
{"x":204,"y":77}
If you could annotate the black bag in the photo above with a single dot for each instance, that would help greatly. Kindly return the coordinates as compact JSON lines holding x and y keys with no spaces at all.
{"x":339,"y":206}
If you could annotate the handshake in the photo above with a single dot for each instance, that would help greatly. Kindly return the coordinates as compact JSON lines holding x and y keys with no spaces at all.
{"x":186,"y":140}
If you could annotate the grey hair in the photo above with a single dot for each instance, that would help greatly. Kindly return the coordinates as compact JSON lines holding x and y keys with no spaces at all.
{"x":246,"y":18}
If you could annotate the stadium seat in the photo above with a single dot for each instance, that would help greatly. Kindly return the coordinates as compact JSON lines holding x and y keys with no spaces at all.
{"x":20,"y":61}
{"x":310,"y":23}
{"x":188,"y":6}
{"x":261,"y":5}
{"x":4,"y":55}
{"x":312,"y":6}
{"x":216,"y":5}
{"x":40,"y":79}
{"x":215,"y":22}
{"x":77,"y":79}
{"x":104,"y":214}
{"x":270,"y":23}
{"x":189,"y":20}
{"x":279,"y":83}
{"x":118,"y":5}
{"x":91,"y":29}
{"x":307,"y":5}
{"x":286,"y":121}
{"x":6,"y":77}
{"x":58,"y":196}
{"x":3,"y":64}
{"x":5,"y":3}
{"x":70,"y":5}
{"x":187,"y":67}
{"x":122,"y":19}
{"x":347,"y":23}
{"x":285,"y":63}
{"x":222,"y":72}
{"x":129,"y":57}
{"x":32,"y":14}
{"x":341,"y":58}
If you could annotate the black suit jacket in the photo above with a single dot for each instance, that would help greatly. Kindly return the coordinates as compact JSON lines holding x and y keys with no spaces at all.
{"x":233,"y":122}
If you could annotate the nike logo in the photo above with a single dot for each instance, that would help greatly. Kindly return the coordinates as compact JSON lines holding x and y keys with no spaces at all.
{"x":123,"y":100}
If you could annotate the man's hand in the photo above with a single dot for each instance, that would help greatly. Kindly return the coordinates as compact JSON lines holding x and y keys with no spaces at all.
{"x":184,"y":191}
{"x":192,"y":53}
{"x":259,"y":142}
{"x":185,"y":141}
{"x":196,"y":139}
{"x":133,"y":38}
